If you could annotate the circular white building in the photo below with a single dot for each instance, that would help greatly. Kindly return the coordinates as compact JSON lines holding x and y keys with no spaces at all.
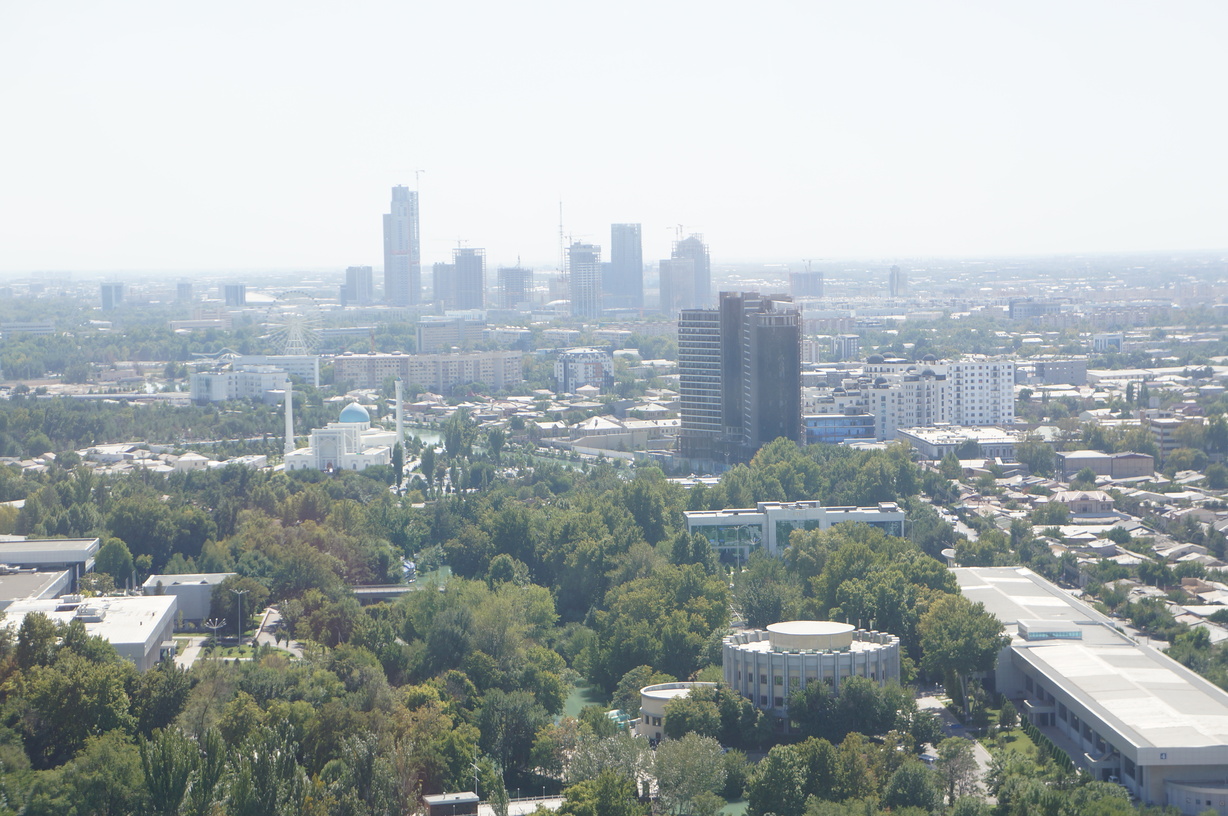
{"x":766,"y":666}
{"x":653,"y":700}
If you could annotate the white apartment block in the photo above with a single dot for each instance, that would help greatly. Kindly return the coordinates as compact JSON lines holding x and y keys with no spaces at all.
{"x":966,"y":392}
{"x":247,"y":382}
{"x":584,"y":366}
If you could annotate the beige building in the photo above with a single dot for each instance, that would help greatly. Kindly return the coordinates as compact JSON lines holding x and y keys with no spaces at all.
{"x":1114,"y":465}
{"x":653,"y":700}
{"x":767,"y":666}
{"x":499,"y":370}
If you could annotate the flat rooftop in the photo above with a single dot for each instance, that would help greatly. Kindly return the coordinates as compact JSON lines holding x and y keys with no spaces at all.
{"x":127,"y":620}
{"x":11,"y":548}
{"x":22,"y":585}
{"x":213,"y":578}
{"x":1142,"y":694}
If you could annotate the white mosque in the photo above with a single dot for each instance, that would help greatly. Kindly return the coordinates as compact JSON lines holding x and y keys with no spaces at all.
{"x":350,"y":443}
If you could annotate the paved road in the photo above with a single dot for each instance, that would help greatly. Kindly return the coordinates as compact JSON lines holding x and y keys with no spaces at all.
{"x":265,"y":636}
{"x":952,"y":727}
{"x":191,"y":653}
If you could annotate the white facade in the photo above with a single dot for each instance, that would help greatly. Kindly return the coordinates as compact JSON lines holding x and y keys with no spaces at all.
{"x":767,"y":666}
{"x":343,"y":445}
{"x":654,"y":699}
{"x":935,"y":443}
{"x":140,"y":628}
{"x":304,"y":366}
{"x":967,"y":392}
{"x":246,"y":382}
{"x":1136,"y":716}
{"x":583,"y":366}
{"x":193,"y":593}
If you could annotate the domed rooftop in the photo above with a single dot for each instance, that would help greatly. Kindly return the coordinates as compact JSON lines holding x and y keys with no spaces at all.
{"x":929,"y":358}
{"x":874,"y":358}
{"x":880,"y":380}
{"x":354,"y":413}
{"x":928,"y":372}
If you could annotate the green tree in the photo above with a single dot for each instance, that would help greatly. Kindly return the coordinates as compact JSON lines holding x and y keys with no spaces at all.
{"x":427,"y":466}
{"x":957,"y":766}
{"x":115,"y":560}
{"x":227,"y":600}
{"x":1037,"y":454}
{"x":72,"y":700}
{"x":168,"y":762}
{"x":398,"y":464}
{"x":509,"y":721}
{"x":687,"y":768}
{"x":608,"y":794}
{"x":959,"y":638}
{"x":949,"y":466}
{"x":777,"y":785}
{"x":687,"y":715}
{"x":912,"y":785}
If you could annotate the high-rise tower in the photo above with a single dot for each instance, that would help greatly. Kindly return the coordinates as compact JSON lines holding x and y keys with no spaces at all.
{"x":897,"y":282}
{"x":584,"y":269}
{"x":359,"y":287}
{"x":696,"y":250}
{"x":740,"y":376}
{"x":468,"y":278}
{"x":515,"y":286}
{"x":623,"y":279}
{"x":402,"y":250}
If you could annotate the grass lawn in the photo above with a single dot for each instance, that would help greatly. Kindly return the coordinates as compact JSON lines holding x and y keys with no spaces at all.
{"x":1013,"y":740}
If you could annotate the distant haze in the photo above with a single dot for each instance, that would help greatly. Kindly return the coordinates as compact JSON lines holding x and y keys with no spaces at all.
{"x":172,"y":136}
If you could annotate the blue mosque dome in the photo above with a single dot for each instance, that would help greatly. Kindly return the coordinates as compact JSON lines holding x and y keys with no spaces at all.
{"x":354,"y":413}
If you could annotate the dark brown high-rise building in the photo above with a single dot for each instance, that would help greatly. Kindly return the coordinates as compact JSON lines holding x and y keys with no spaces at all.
{"x":740,"y":376}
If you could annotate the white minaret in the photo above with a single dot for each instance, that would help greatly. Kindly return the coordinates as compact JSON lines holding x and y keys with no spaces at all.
{"x":289,"y":417}
{"x":400,"y":414}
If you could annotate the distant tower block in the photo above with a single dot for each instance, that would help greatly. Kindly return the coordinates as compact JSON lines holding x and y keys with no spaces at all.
{"x":584,"y":267}
{"x":402,"y":250}
{"x":897,"y":282}
{"x":806,"y":284}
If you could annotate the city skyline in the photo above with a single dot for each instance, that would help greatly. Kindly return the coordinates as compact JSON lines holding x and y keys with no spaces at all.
{"x":839,"y":131}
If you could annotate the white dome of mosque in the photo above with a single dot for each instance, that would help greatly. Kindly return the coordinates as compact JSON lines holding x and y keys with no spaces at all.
{"x":354,"y":413}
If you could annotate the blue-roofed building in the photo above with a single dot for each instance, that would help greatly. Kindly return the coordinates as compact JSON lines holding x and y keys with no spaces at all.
{"x":350,"y":443}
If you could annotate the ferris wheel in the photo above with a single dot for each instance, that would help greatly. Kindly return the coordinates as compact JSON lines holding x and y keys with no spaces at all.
{"x":293,"y":321}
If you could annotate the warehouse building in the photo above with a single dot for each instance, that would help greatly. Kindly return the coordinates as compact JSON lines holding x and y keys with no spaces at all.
{"x":1123,"y":710}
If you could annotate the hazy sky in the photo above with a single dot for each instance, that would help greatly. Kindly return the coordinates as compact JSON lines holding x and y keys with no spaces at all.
{"x":227,"y":135}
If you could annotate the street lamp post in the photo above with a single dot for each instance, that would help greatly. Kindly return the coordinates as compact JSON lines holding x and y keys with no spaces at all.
{"x":213,"y":624}
{"x":239,"y":625}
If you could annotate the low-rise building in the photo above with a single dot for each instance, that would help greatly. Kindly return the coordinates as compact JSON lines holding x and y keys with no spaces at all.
{"x":1085,"y":502}
{"x":767,"y":666}
{"x":1124,"y":465}
{"x":246,"y":382}
{"x":1134,"y":715}
{"x":348,"y":444}
{"x":654,"y":699}
{"x":139,"y":627}
{"x":935,"y":443}
{"x":193,"y":591}
{"x":832,"y":429}
{"x":735,"y":532}
{"x":74,"y":555}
